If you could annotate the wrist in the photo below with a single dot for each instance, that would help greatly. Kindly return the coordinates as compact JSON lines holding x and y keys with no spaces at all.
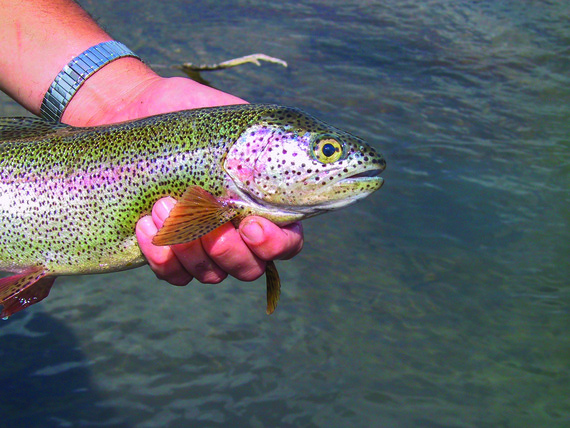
{"x":107,"y":96}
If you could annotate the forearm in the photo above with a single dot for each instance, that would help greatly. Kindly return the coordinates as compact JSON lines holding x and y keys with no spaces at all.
{"x":37,"y":38}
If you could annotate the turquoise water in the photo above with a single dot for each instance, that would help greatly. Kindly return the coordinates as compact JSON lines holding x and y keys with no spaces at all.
{"x":441,"y":301}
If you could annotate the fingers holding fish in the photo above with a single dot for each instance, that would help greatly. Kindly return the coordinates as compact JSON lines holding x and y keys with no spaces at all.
{"x":195,"y":260}
{"x":162,"y":260}
{"x":269,"y":241}
{"x":228,"y":250}
{"x":209,"y":259}
{"x":178,"y":262}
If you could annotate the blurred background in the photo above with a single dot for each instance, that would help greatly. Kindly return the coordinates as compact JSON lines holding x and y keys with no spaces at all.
{"x":443,"y":300}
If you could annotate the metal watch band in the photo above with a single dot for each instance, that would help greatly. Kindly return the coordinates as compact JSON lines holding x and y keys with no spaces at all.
{"x":75,"y":73}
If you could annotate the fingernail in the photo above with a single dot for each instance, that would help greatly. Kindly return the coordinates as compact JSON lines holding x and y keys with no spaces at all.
{"x":146,"y":226}
{"x":253,"y":231}
{"x":162,"y":209}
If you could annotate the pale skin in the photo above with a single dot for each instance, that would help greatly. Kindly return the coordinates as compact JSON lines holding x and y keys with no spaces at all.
{"x":38,"y":37}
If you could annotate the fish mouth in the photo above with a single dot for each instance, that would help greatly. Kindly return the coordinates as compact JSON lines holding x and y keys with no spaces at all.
{"x":352,"y":188}
{"x":370,"y":173}
{"x":367,"y":174}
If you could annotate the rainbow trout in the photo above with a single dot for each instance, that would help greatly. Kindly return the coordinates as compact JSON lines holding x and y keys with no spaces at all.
{"x":70,"y":197}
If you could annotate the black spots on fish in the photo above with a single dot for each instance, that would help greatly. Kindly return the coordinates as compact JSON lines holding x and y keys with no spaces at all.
{"x":380,"y":161}
{"x":86,"y":192}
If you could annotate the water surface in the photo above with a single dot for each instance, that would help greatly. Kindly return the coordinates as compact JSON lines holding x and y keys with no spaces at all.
{"x":441,"y":301}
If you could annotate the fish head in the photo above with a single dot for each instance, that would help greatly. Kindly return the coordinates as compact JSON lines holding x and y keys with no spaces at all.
{"x":290,"y":159}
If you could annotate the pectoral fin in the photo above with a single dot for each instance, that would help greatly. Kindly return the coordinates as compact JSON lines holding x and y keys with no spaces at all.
{"x":19,"y":291}
{"x":195,"y":214}
{"x":273,"y":286}
{"x":199,"y":212}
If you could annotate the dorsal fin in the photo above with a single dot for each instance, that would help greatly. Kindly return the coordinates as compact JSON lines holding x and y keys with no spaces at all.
{"x":25,"y":128}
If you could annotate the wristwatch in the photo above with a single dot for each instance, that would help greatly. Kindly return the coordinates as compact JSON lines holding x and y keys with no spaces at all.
{"x":76,"y":72}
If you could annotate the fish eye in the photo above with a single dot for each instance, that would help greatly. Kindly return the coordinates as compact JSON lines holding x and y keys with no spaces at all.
{"x":327,"y":150}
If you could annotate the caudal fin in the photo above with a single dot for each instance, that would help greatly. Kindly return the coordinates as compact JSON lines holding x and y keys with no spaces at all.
{"x":19,"y":291}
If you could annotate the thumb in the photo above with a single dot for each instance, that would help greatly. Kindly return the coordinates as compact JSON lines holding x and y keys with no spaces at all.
{"x":269,"y":241}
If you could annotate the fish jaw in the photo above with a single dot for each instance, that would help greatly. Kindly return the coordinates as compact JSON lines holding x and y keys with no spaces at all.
{"x":347,"y":191}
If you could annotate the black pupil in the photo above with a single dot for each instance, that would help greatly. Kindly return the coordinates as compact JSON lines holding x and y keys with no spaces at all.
{"x":328,"y":150}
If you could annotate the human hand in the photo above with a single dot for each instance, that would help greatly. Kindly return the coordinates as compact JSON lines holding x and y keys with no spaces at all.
{"x":241,"y":252}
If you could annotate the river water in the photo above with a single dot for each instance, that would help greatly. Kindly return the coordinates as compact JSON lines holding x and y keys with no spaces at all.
{"x":441,"y":301}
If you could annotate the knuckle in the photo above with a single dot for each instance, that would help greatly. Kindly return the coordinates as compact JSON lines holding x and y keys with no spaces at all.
{"x":251,"y":273}
{"x":179,"y":280}
{"x":220,"y":250}
{"x":212,"y":278}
